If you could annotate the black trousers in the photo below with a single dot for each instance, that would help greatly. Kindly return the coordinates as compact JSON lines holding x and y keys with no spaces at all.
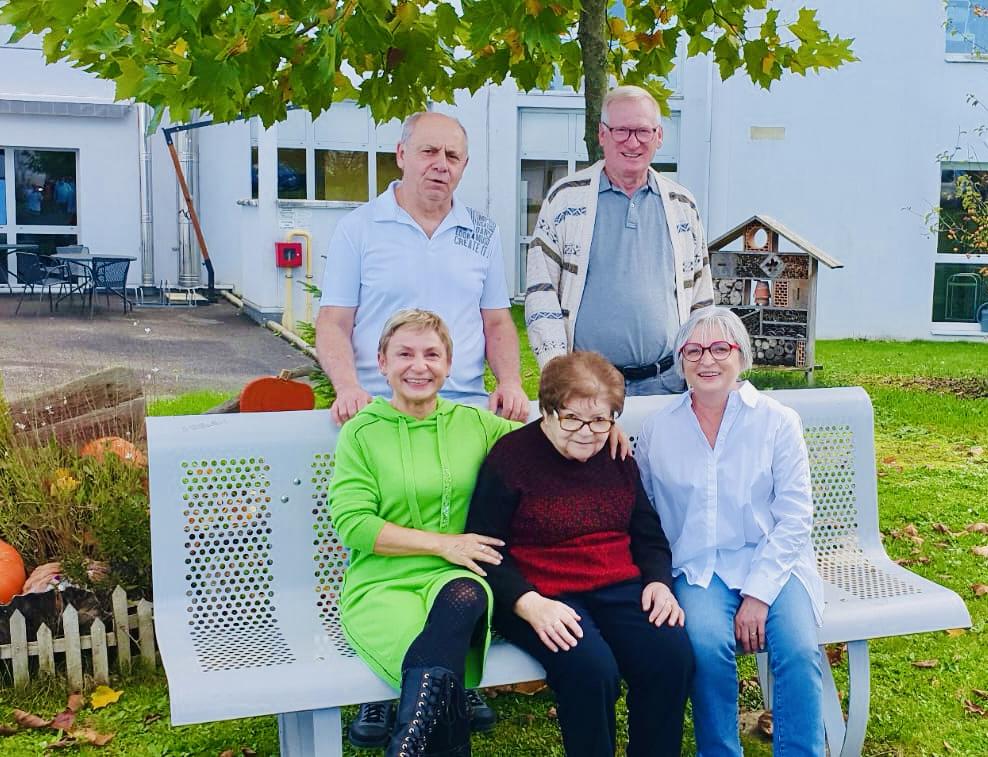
{"x":618,"y":642}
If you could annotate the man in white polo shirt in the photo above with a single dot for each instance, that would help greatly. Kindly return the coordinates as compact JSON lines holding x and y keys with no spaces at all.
{"x":416,"y":246}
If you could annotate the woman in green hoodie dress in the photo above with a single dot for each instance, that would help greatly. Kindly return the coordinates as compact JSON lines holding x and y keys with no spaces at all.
{"x":412,"y":605}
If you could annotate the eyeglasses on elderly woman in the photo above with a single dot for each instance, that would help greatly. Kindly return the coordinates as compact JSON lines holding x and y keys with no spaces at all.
{"x":572,"y":423}
{"x":719,"y":350}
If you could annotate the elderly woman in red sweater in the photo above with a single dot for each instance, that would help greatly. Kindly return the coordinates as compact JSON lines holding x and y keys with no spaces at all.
{"x":585,"y":583}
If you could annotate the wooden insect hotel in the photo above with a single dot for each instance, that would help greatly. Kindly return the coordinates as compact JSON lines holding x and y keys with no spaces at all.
{"x":772,"y":290}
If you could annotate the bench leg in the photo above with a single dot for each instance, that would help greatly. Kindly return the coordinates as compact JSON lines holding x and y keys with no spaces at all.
{"x":847,"y":739}
{"x":314,"y":733}
{"x":765,"y":679}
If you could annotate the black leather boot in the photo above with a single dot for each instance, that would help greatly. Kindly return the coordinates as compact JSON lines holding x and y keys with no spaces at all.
{"x":433,"y":718}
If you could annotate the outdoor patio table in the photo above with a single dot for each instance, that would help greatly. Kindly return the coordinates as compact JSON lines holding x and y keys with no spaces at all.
{"x":88,"y":261}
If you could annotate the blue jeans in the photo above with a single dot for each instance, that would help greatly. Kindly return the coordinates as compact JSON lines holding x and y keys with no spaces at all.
{"x":791,"y":638}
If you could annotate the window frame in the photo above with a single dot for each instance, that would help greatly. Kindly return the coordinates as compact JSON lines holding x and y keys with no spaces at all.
{"x":961,"y":57}
{"x":977,"y":259}
{"x":374,"y":140}
{"x":13,"y":231}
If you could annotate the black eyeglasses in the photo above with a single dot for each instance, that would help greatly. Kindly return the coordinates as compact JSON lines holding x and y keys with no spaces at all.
{"x":623,"y":133}
{"x":693,"y":351}
{"x":597,"y":425}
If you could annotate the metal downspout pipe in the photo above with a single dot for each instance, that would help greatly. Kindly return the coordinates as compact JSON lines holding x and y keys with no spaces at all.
{"x":147,"y":202}
{"x":189,"y":257}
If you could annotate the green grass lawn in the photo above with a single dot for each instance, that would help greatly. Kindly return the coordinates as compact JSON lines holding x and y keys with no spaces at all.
{"x":931,"y":410}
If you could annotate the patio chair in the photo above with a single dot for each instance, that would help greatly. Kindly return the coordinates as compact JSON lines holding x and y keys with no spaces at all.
{"x":34,"y":271}
{"x":110,"y":277}
{"x":75,"y":272}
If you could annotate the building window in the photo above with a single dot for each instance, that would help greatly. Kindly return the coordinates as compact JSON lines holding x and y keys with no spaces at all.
{"x":340,"y":156}
{"x":45,"y":187}
{"x":960,"y":278}
{"x":958,"y":228}
{"x":342,"y":175}
{"x":38,"y":201}
{"x":959,"y":291}
{"x":966,"y":28}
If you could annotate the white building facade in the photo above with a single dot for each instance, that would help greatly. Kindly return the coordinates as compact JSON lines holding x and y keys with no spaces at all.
{"x":852,"y":160}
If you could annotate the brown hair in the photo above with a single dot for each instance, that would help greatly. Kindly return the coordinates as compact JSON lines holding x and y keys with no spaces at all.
{"x":424,"y":320}
{"x":580,"y":375}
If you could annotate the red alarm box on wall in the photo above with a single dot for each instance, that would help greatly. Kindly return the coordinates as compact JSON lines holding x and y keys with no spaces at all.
{"x":288,"y":254}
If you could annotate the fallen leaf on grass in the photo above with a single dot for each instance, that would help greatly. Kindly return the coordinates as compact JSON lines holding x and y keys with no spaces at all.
{"x":926,"y":663}
{"x":835,"y":653}
{"x":942,"y":528}
{"x":981,"y":551}
{"x":152,"y":717}
{"x":226,"y":753}
{"x":82,"y":736}
{"x":765,"y":723}
{"x":979,"y":589}
{"x":909,"y":531}
{"x":248,"y":752}
{"x":76,"y":701}
{"x":63,"y":721}
{"x":980,"y":693}
{"x":974,"y":709}
{"x":952,"y":632}
{"x":102,"y":696}
{"x":30,"y":720}
{"x":978,"y":528}
{"x":551,"y":713}
{"x":947,"y":746}
{"x":888,"y":460}
{"x":7,"y":730}
{"x":905,"y":562}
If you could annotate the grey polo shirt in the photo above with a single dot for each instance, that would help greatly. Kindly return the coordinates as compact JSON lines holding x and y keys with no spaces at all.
{"x":628,"y":311}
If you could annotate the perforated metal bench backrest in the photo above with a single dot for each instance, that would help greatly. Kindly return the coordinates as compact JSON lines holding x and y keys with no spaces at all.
{"x":244,"y":499}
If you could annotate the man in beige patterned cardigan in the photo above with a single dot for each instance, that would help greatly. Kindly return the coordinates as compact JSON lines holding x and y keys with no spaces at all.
{"x":618,"y":259}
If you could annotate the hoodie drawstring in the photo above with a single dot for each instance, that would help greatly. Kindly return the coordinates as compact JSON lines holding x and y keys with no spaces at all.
{"x":407,"y":473}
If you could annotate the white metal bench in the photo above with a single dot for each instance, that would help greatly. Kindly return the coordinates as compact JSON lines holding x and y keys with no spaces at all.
{"x":247,"y":569}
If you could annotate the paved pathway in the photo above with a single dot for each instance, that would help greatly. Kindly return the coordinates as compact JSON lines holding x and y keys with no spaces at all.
{"x":175,"y":349}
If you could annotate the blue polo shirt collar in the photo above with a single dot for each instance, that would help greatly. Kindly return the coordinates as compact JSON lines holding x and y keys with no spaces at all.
{"x":387,"y":209}
{"x":650,"y":182}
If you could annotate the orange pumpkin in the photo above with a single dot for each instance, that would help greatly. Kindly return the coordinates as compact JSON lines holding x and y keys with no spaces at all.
{"x":12,"y":575}
{"x":271,"y":394}
{"x":114,"y":445}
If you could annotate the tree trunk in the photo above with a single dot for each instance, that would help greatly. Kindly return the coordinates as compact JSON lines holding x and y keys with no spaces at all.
{"x":593,"y":44}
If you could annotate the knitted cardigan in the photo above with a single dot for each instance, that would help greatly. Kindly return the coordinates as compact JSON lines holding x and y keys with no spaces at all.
{"x":559,"y":253}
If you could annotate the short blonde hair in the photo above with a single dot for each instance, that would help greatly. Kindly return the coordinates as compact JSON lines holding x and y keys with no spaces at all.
{"x":629,"y":92}
{"x":423,"y":320}
{"x":580,"y":376}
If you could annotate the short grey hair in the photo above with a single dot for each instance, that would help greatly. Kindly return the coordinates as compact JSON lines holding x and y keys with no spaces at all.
{"x":628,"y":92}
{"x":710,"y":320}
{"x":408,"y":126}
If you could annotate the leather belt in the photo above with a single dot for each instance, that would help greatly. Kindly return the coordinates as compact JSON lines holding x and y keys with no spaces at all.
{"x":640,"y":372}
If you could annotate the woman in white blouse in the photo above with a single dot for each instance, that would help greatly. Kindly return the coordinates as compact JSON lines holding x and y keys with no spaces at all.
{"x":727,"y":470}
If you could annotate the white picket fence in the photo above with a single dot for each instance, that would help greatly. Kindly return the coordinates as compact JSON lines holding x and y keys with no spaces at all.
{"x":72,"y":644}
